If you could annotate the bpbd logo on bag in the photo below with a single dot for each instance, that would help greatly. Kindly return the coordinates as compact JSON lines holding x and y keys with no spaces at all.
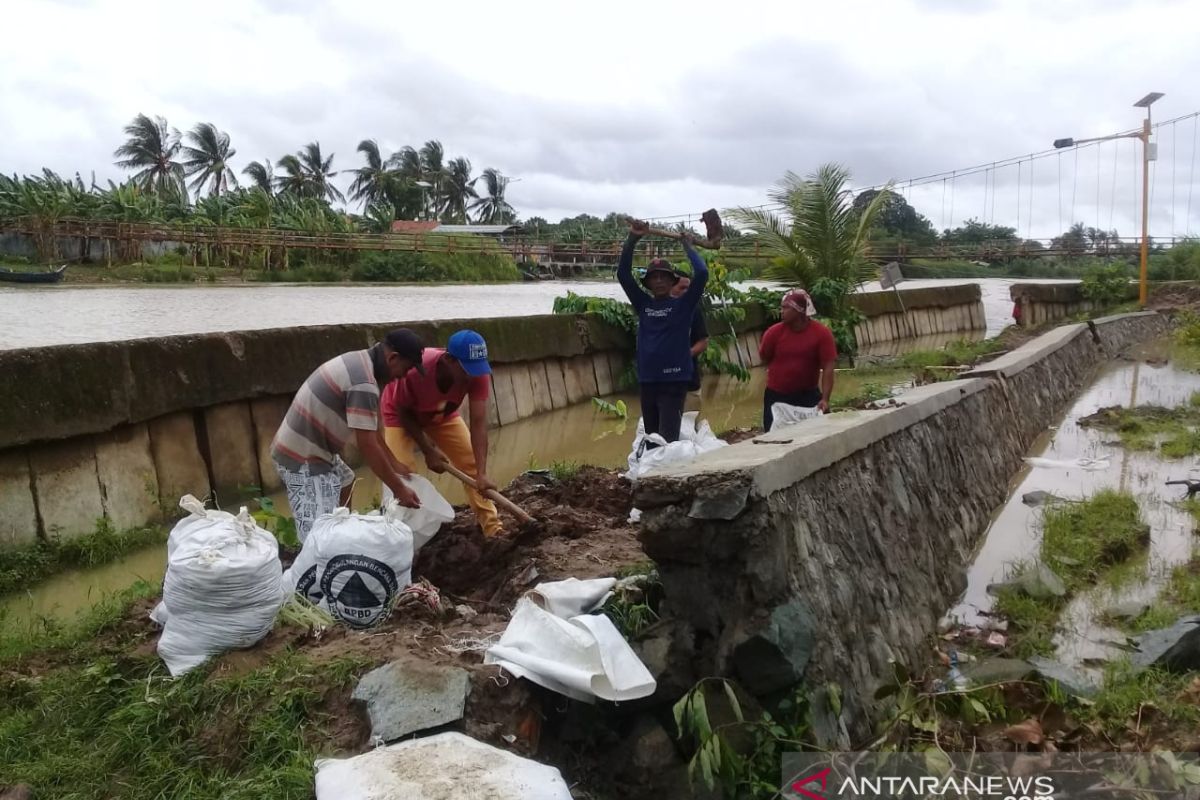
{"x":357,"y":589}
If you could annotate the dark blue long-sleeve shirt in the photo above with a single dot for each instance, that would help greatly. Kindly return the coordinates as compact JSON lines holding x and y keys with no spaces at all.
{"x":664,"y":326}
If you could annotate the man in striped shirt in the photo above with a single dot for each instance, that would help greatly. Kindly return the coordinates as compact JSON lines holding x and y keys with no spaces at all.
{"x":339,"y":399}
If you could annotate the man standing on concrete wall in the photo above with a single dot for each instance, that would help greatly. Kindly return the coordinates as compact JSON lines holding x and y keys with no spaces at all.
{"x":422,"y":411}
{"x":664,"y":358}
{"x":800,"y":354}
{"x":341,"y":396}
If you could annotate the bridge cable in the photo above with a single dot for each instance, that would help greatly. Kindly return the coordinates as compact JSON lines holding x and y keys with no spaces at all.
{"x":1174,"y":150}
{"x":943,"y":224}
{"x":1097,"y":188}
{"x":1112,"y":197}
{"x":1030,"y":236}
{"x":1191,"y":177}
{"x":1060,"y":190}
{"x":1018,"y":198}
{"x":954,"y":180}
{"x":1074,"y":185}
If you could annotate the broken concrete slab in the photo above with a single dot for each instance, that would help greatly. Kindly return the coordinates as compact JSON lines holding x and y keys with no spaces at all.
{"x":1038,"y":498}
{"x":1128,"y":610}
{"x":1175,"y":649}
{"x":776,"y":655}
{"x":407,"y":696}
{"x":1074,"y":680}
{"x":720,"y":501}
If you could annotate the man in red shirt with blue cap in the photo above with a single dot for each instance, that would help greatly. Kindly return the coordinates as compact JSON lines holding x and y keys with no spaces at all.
{"x":421,"y":411}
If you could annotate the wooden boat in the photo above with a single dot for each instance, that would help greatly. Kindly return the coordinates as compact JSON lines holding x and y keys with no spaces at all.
{"x":51,"y":276}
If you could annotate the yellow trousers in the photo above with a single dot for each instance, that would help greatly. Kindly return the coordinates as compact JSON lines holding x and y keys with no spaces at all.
{"x":454,"y":439}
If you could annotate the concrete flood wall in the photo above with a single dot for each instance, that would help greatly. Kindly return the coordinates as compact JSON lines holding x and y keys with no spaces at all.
{"x":823,"y":552}
{"x":917,"y":313}
{"x":1040,"y":303}
{"x":123,"y":429}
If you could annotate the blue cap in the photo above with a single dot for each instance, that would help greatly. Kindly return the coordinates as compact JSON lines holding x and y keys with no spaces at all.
{"x":471,"y":351}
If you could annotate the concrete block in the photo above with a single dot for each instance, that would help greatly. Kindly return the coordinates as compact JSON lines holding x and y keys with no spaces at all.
{"x":541,"y":387}
{"x":522,"y":390}
{"x":493,"y":408}
{"x":558,"y":385}
{"x":604,"y":379}
{"x":177,"y":461}
{"x":128,"y":483}
{"x":232,"y":450}
{"x":753,"y":340}
{"x":267,"y":414}
{"x":580,"y":377}
{"x":68,"y":489}
{"x":18,"y":514}
{"x":616,"y":367}
{"x":506,"y":398}
{"x":407,"y":696}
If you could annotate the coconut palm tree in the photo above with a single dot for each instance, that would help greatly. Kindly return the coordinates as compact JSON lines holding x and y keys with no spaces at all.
{"x":458,"y":191}
{"x":371,"y":181}
{"x":407,"y":162}
{"x":207,"y":156}
{"x":819,"y":241}
{"x":263,"y":176}
{"x":818,"y":234}
{"x":320,"y":171}
{"x":492,"y":208}
{"x":295,"y":180}
{"x":152,"y":149}
{"x":433,"y":172}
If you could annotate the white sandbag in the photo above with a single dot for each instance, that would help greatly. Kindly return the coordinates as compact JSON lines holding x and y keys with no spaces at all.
{"x":221,"y":591}
{"x":201,"y":524}
{"x":426,"y":521}
{"x":693,"y":441}
{"x":783,"y":415}
{"x":352,"y":565}
{"x":567,"y":598}
{"x":1090,"y":464}
{"x":583,"y":657}
{"x":448,"y":766}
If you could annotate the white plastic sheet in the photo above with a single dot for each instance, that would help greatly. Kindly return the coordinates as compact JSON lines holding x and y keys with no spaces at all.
{"x":783,"y":415}
{"x":582,"y":656}
{"x":449,"y":766}
{"x":424,"y":522}
{"x":222,"y":587}
{"x":352,"y":565}
{"x":1090,"y":464}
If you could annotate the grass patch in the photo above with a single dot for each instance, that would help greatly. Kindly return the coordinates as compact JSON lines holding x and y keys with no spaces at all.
{"x":1153,"y":618}
{"x":119,"y":727}
{"x":1173,"y":431}
{"x":1031,"y":622}
{"x":1123,"y":693}
{"x":955,"y":354}
{"x":1080,"y":540}
{"x":23,"y":566}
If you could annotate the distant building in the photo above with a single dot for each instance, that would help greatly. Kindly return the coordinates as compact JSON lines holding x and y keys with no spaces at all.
{"x":410,"y":227}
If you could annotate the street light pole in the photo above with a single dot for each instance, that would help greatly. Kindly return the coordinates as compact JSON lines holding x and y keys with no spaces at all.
{"x":1144,"y":136}
{"x":1145,"y":102}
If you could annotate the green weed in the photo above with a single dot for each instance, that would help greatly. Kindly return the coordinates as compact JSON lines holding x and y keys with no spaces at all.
{"x":1081,"y":539}
{"x":1032,"y":623}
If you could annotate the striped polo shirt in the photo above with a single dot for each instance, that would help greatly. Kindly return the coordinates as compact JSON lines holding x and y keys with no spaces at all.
{"x":340,"y":396}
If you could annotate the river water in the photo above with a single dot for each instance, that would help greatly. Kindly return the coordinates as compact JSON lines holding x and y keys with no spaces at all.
{"x":49,"y":315}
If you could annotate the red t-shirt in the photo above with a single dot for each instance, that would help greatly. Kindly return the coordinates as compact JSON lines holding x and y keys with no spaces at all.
{"x":794,"y":358}
{"x":420,"y":393}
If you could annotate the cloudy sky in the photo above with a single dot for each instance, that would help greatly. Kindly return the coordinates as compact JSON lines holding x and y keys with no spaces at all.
{"x":655,"y":108}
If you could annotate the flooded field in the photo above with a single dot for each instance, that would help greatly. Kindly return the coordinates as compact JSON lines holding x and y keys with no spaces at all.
{"x":1074,"y":462}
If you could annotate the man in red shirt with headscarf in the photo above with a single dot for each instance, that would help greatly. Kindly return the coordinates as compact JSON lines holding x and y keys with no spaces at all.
{"x":800,"y":354}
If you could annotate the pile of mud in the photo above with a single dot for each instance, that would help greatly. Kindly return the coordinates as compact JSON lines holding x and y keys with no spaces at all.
{"x":580,"y":530}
